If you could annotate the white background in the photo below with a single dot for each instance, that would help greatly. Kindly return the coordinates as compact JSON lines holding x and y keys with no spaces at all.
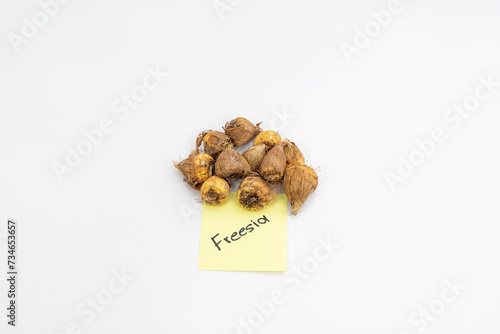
{"x":126,"y":208}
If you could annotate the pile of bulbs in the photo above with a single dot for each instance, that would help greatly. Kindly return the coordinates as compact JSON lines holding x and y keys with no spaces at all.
{"x":270,"y":162}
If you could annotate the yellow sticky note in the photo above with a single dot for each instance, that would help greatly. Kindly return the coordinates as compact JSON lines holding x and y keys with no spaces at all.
{"x":233,"y":238}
